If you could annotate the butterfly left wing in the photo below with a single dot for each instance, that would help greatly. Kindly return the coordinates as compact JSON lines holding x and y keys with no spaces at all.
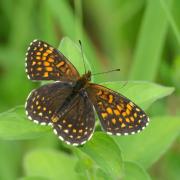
{"x":77,"y":125}
{"x":43,"y":62}
{"x":118,"y":115}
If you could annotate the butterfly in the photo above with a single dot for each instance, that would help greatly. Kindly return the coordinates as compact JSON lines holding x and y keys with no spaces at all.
{"x":68,"y":104}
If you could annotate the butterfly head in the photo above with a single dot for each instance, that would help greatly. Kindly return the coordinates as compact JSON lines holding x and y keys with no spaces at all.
{"x":87,"y":76}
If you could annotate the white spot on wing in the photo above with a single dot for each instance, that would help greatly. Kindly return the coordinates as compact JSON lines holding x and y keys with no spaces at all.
{"x":55,"y":132}
{"x":83,"y":142}
{"x":29,"y":117}
{"x":110,"y":133}
{"x":61,"y":138}
{"x":37,"y":122}
{"x":75,"y":144}
{"x":118,"y":134}
{"x":67,"y":142}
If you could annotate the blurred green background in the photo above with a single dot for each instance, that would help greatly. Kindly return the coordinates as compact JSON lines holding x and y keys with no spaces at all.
{"x":140,"y":37}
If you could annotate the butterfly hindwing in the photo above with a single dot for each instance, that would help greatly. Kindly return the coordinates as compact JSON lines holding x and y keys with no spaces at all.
{"x":118,"y":115}
{"x":43,"y":62}
{"x":44,"y":101}
{"x":77,"y":125}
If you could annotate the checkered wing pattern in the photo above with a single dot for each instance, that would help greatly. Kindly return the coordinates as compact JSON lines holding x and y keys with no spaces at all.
{"x":43,"y":102}
{"x":43,"y":62}
{"x":118,"y":115}
{"x":77,"y":125}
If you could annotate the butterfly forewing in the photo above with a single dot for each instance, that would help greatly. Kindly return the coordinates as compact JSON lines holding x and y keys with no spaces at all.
{"x":44,"y":101}
{"x":77,"y":125}
{"x":118,"y":115}
{"x":43,"y":62}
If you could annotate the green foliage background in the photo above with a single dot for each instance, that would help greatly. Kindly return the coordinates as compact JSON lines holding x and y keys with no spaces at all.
{"x":141,"y":38}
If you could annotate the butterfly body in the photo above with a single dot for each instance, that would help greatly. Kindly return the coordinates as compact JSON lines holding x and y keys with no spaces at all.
{"x":68,"y":104}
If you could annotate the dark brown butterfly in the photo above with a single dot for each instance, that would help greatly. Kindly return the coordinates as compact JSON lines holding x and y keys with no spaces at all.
{"x":67,"y":104}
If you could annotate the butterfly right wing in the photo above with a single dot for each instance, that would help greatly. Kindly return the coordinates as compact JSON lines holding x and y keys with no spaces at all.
{"x":44,"y":101}
{"x":43,"y":62}
{"x":118,"y":115}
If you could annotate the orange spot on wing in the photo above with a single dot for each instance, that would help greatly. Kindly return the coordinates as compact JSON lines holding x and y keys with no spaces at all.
{"x":46,"y":63}
{"x":45,"y":54}
{"x":49,"y":68}
{"x":110,"y":98}
{"x":109,"y":110}
{"x":50,"y":59}
{"x":124,"y":114}
{"x":39,"y":69}
{"x":114,"y":121}
{"x":38,"y":57}
{"x":104,"y":115}
{"x":127,"y":120}
{"x":38,"y":53}
{"x":123,"y":125}
{"x":41,"y":49}
{"x":116,"y":112}
{"x":119,"y":107}
{"x":49,"y":51}
{"x":46,"y":74}
{"x":60,"y":64}
{"x":127,"y":111}
{"x":129,"y":107}
{"x":132,"y":119}
{"x":120,"y":120}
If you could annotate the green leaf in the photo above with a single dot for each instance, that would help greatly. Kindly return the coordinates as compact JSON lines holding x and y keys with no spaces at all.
{"x":106,"y":154}
{"x":150,"y":42}
{"x":134,"y":171}
{"x":50,"y":164}
{"x":149,"y":145}
{"x":33,"y":178}
{"x":142,"y":93}
{"x":87,"y":167}
{"x":14,"y":125}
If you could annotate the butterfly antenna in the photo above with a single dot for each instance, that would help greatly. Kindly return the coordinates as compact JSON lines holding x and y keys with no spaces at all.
{"x":82,"y":55}
{"x":106,"y":72}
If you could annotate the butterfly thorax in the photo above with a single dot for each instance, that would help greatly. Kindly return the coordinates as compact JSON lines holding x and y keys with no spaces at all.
{"x":82,"y":82}
{"x":79,"y":86}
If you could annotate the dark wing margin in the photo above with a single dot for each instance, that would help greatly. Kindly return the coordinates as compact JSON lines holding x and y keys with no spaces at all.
{"x":43,"y":62}
{"x":77,"y":125}
{"x":44,"y":101}
{"x":118,"y":115}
